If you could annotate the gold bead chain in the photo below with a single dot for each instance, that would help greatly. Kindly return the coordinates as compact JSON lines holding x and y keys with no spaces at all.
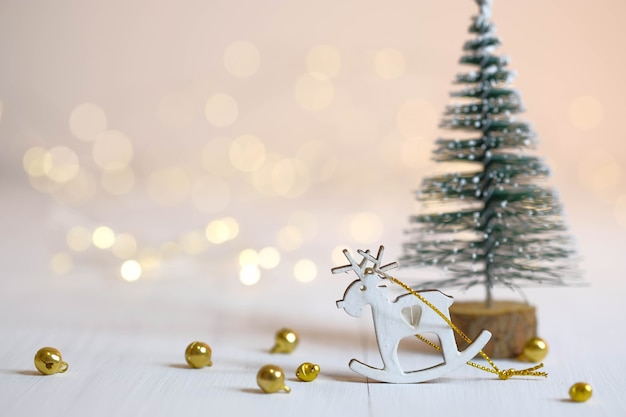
{"x":502,"y":374}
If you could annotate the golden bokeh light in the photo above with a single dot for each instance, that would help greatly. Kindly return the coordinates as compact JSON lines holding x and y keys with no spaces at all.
{"x":586,"y":112}
{"x":80,"y":189}
{"x":169,"y":250}
{"x":112,"y":149}
{"x":210,"y":194}
{"x":150,"y":262}
{"x":125,"y":246}
{"x":169,"y":186}
{"x":281,"y":176}
{"x":305,"y":270}
{"x":249,"y":275}
{"x":247,"y":153}
{"x":130,"y":270}
{"x":317,"y":158}
{"x":33,"y":161}
{"x":232,"y":226}
{"x":599,"y":171}
{"x":248,"y":257}
{"x":87,"y":121}
{"x":306,"y":222}
{"x":118,"y":181}
{"x":222,"y":230}
{"x":417,"y":118}
{"x":61,"y":164}
{"x":242,"y":59}
{"x":193,"y":242}
{"x":262,"y":176}
{"x":314,"y":91}
{"x":289,"y":238}
{"x":366,"y":227}
{"x":103,"y":237}
{"x":400,"y":152}
{"x":290,"y":177}
{"x":61,"y":263}
{"x":44,"y":184}
{"x":78,"y":239}
{"x":221,"y":110}
{"x":323,"y":59}
{"x":619,"y":209}
{"x":176,"y":109}
{"x":215,"y":157}
{"x":268,"y":257}
{"x":389,"y":63}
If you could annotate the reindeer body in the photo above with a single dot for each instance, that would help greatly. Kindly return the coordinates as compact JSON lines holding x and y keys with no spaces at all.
{"x":405,"y":316}
{"x":396,"y":319}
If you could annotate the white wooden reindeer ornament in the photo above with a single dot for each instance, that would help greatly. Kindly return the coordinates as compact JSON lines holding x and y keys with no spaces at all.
{"x":396,"y":319}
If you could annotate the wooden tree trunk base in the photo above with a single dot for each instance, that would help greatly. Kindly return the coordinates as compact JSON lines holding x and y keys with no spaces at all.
{"x":511,"y":323}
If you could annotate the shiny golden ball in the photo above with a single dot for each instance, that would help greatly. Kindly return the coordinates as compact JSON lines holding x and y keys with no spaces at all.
{"x":286,"y":341}
{"x":307,"y":372}
{"x":580,"y":392}
{"x":535,"y":350}
{"x":271,"y":378}
{"x":198,"y":355}
{"x":48,"y":361}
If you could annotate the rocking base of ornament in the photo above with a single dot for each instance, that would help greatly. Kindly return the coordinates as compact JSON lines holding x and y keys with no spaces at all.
{"x":511,"y":323}
{"x":398,"y":376}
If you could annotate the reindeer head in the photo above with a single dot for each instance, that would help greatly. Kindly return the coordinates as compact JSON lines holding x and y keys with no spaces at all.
{"x":369,"y":284}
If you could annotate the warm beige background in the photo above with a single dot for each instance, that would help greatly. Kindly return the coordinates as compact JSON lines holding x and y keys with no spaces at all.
{"x":329,"y":108}
{"x":194,"y":141}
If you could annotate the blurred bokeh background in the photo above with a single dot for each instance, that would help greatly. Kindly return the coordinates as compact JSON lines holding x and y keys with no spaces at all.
{"x":247,"y":143}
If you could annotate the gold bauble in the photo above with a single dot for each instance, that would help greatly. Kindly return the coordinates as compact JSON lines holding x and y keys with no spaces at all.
{"x":286,"y":341}
{"x":580,"y":392}
{"x":198,"y":355}
{"x":307,"y":372}
{"x":48,"y":361}
{"x":271,"y":378}
{"x":535,"y":349}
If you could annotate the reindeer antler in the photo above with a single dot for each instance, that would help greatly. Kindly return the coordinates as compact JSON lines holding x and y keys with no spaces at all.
{"x":359,"y":267}
{"x":378,"y":259}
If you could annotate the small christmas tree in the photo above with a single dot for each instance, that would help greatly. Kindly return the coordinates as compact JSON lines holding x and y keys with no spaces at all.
{"x":495,"y":223}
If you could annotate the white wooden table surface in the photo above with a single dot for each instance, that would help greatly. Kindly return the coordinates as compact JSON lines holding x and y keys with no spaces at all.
{"x":363,"y":130}
{"x":124,"y":342}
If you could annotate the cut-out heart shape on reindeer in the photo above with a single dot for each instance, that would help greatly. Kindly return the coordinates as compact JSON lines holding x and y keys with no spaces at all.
{"x":411,"y":315}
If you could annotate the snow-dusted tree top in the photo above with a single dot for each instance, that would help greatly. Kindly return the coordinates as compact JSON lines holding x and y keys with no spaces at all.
{"x":496,"y":222}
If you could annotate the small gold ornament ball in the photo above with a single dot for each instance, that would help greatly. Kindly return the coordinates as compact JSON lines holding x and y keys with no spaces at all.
{"x":48,"y":361}
{"x":286,"y":341}
{"x":580,"y":392}
{"x":271,"y":378}
{"x":307,"y":372}
{"x":535,"y":349}
{"x":198,"y":355}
